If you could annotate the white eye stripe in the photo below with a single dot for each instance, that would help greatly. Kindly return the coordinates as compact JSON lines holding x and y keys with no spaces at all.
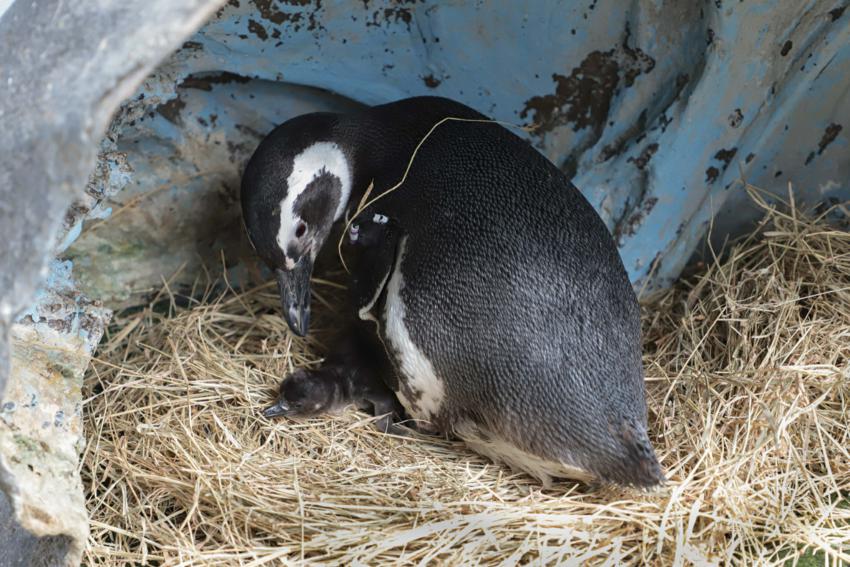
{"x":321,"y":156}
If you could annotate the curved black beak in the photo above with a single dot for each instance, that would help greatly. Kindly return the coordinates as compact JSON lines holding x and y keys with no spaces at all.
{"x":294,"y":288}
{"x":278,"y":409}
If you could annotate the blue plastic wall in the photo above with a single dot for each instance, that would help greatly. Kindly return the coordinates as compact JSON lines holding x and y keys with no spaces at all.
{"x":657,"y":109}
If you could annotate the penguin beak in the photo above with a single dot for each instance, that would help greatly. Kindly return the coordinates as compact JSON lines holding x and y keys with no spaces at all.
{"x":294,"y":288}
{"x":277,"y":410}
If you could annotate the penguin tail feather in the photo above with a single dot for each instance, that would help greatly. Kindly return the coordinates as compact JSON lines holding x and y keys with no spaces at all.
{"x":643,"y":468}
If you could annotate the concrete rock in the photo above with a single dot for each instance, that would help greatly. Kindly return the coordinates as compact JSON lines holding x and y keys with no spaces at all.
{"x":64,"y":69}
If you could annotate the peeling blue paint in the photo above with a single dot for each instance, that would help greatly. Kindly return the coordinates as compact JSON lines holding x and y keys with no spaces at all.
{"x":710,"y":102}
{"x":60,"y":307}
{"x":69,"y":238}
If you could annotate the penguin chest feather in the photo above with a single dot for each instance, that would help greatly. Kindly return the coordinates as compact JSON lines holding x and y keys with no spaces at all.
{"x":421,"y":391}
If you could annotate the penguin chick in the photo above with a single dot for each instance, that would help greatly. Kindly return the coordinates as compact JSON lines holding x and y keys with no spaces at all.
{"x":306,"y":393}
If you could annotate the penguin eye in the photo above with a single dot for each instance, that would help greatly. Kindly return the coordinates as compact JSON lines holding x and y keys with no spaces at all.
{"x":301,"y":229}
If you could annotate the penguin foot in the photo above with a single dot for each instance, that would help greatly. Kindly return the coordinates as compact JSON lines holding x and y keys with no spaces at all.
{"x":386,"y":409}
{"x":385,"y":424}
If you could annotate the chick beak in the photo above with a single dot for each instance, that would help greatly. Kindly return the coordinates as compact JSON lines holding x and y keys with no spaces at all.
{"x":294,"y":288}
{"x":278,"y":409}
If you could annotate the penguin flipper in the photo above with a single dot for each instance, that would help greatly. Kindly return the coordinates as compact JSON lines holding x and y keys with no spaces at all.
{"x":377,"y":243}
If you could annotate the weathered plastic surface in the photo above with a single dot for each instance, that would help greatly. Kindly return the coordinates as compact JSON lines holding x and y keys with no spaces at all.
{"x":656,"y":107}
{"x":64,"y":69}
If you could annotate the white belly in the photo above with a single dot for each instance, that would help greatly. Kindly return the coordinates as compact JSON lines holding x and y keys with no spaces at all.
{"x":421,"y":391}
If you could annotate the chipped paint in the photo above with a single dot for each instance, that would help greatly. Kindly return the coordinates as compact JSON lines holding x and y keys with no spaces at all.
{"x":637,"y":106}
{"x":583,"y":99}
{"x":828,"y":137}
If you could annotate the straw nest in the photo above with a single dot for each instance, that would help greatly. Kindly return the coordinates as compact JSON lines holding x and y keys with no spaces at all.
{"x":746,"y":367}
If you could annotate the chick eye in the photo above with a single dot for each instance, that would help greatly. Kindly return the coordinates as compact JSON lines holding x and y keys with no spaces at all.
{"x":301,"y":229}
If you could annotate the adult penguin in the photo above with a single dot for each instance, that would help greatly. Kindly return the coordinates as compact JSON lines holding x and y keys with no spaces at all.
{"x":501,"y":299}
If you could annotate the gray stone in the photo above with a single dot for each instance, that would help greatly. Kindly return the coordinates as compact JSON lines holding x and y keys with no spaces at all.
{"x":64,"y":69}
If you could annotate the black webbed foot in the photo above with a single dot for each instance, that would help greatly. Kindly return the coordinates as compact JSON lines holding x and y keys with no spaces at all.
{"x":387,"y":409}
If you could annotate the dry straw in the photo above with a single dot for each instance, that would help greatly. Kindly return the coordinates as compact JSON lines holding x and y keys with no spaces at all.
{"x":749,"y":402}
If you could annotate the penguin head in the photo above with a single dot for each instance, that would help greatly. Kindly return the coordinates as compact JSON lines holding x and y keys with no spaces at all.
{"x":295,"y":186}
{"x":302,"y":394}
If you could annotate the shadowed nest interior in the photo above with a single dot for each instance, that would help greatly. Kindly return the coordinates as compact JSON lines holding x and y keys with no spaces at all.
{"x":749,"y":403}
